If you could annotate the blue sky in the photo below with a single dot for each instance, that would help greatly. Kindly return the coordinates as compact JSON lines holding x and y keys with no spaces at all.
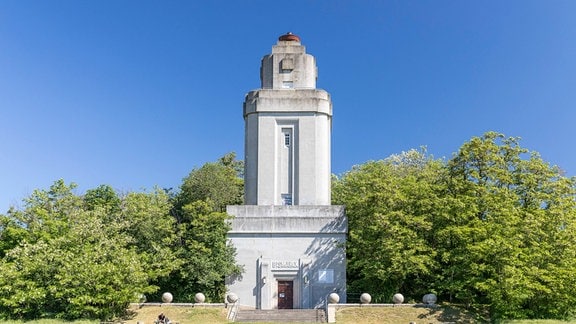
{"x":137,"y":93}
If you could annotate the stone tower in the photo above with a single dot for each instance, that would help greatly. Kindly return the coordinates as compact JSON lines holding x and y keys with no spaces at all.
{"x":288,"y":125}
{"x":287,"y":235}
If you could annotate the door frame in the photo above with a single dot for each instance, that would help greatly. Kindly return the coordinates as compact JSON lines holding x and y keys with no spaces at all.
{"x":288,"y":288}
{"x":267,"y":284}
{"x":295,"y":289}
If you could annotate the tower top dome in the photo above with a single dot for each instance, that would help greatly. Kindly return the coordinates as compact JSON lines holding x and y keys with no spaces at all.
{"x":289,"y":37}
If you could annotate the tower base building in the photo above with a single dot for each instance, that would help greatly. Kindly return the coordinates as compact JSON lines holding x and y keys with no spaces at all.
{"x":288,"y":238}
{"x":293,"y":256}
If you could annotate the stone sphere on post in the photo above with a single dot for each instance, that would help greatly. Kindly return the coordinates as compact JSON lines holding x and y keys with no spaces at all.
{"x":398,"y":298}
{"x":429,"y":299}
{"x":333,"y":298}
{"x":232,"y":298}
{"x":199,"y":298}
{"x":167,"y":297}
{"x":365,"y":298}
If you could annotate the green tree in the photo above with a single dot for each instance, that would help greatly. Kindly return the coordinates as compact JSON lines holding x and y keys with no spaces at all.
{"x":88,"y":272}
{"x":150,"y":224}
{"x":493,"y":225}
{"x":83,"y":257}
{"x":206,"y":255}
{"x":103,"y":196}
{"x":220,"y":182}
{"x":11,"y":233}
{"x":508,"y":239}
{"x":207,"y":258}
{"x":390,"y":206}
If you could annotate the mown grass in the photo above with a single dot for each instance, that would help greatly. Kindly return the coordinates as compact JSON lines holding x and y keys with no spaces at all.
{"x":50,"y":321}
{"x":353,"y":315}
{"x":536,"y":322}
{"x":182,"y":315}
{"x":395,"y":315}
{"x":148,"y":314}
{"x":444,"y":314}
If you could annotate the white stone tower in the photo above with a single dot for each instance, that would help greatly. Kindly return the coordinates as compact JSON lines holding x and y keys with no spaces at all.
{"x":288,"y":237}
{"x":288,"y":124}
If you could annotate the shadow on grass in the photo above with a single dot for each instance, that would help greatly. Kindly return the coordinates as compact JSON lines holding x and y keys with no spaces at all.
{"x":458,"y":314}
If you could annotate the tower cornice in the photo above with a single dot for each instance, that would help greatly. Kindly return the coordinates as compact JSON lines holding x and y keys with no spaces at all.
{"x":288,"y":100}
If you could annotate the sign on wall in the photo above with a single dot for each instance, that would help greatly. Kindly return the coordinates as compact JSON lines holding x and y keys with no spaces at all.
{"x":285,"y":265}
{"x":326,"y":276}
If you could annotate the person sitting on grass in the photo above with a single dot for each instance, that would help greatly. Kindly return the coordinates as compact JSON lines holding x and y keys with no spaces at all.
{"x":162,"y":319}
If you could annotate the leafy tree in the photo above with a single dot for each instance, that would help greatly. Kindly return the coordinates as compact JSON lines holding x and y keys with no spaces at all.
{"x":206,"y":256}
{"x":220,"y":182}
{"x":11,"y":233}
{"x":509,"y":238}
{"x":390,"y":207}
{"x":47,"y":212}
{"x":83,"y":257}
{"x":151,"y":226}
{"x":86,"y":273}
{"x":103,"y":196}
{"x":44,"y":216}
{"x":493,"y":225}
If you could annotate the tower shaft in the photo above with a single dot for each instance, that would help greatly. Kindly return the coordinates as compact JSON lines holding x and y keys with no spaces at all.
{"x":288,"y":127}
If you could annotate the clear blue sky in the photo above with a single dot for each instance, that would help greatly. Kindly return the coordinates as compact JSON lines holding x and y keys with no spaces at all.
{"x":136,"y":93}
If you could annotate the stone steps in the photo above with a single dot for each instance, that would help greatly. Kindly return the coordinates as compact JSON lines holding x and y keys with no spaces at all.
{"x":282,"y":316}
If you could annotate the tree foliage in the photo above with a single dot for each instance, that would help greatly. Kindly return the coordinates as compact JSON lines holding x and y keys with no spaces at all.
{"x":219,"y":182}
{"x":82,"y":257}
{"x":511,"y":231}
{"x":87,"y":256}
{"x":390,"y":206}
{"x":207,"y":257}
{"x":493,"y":225}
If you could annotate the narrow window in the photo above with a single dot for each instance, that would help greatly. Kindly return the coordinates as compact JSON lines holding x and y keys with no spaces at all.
{"x":287,"y":139}
{"x":287,"y":199}
{"x":287,"y":65}
{"x":287,"y":84}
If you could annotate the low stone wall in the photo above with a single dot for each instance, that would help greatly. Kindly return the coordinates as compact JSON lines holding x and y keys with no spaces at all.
{"x":212,"y":305}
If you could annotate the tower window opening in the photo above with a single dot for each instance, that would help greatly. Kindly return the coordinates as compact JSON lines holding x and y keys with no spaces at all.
{"x":287,"y":199}
{"x":287,"y":139}
{"x":287,"y":65}
{"x":287,"y":84}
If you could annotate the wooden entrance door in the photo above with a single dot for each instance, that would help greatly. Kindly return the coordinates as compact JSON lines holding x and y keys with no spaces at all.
{"x":285,"y":294}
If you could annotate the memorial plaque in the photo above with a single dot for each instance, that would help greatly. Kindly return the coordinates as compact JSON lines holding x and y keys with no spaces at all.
{"x":285,"y":265}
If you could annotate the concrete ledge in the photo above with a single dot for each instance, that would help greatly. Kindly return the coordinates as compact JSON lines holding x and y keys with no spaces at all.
{"x":207,"y":305}
{"x":330,"y":211}
{"x":338,"y":306}
{"x":299,"y":100}
{"x":287,"y":219}
{"x":286,"y":225}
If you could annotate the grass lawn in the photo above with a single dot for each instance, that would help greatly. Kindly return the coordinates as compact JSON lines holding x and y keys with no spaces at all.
{"x":182,"y":315}
{"x":405,"y":315}
{"x":537,"y":322}
{"x":353,"y":315}
{"x":50,"y":321}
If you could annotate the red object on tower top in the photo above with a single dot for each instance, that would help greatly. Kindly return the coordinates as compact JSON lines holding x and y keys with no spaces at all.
{"x":289,"y":37}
